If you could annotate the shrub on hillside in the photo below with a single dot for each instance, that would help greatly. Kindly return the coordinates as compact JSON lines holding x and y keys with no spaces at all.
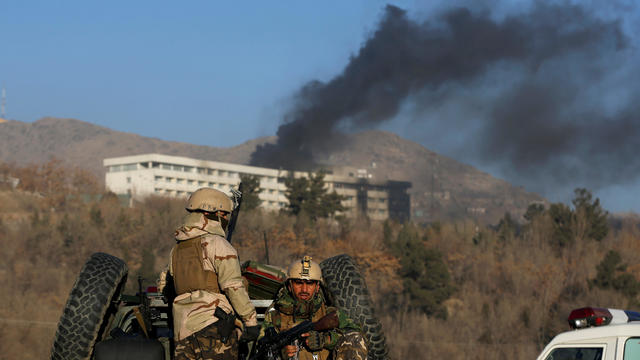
{"x":611,"y":274}
{"x":425,"y":275}
{"x":585,"y":221}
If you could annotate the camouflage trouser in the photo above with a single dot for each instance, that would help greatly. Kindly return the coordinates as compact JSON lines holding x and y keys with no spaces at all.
{"x":206,"y":344}
{"x":351,"y":346}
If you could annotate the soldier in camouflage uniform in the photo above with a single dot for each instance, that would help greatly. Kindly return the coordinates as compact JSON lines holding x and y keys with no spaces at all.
{"x":302,"y":298}
{"x":206,"y":275}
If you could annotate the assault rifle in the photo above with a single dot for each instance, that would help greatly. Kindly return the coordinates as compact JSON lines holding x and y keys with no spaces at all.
{"x":236,"y":197}
{"x":268,"y":347}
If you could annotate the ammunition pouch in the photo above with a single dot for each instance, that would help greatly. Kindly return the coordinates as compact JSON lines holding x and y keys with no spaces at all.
{"x":226,"y":323}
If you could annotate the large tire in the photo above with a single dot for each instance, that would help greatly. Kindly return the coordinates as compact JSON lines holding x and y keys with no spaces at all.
{"x":346,"y":284}
{"x":88,"y":307}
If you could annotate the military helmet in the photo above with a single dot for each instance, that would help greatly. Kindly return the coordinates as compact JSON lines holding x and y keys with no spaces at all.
{"x":208,"y":199}
{"x":304,"y":269}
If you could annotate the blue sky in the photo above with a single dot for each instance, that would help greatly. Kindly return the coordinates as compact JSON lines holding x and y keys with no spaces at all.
{"x":163,"y":69}
{"x":191,"y":71}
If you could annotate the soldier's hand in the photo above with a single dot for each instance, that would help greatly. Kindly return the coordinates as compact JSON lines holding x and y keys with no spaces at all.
{"x":250,"y":333}
{"x":290,"y":350}
{"x":315,"y":341}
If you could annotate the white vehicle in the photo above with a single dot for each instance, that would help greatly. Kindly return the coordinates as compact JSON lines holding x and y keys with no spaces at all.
{"x":599,"y":334}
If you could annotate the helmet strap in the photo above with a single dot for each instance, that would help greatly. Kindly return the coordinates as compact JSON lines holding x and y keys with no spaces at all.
{"x":216,"y":217}
{"x":223,"y":222}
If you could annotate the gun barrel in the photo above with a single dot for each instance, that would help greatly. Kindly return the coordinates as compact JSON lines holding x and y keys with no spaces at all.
{"x":237,"y":195}
{"x":273,"y":342}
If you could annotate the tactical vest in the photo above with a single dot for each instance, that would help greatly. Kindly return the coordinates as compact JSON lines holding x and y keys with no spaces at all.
{"x":286,"y":322}
{"x":188,"y":268}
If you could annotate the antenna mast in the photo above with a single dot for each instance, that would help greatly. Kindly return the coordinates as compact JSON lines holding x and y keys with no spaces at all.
{"x":4,"y":103}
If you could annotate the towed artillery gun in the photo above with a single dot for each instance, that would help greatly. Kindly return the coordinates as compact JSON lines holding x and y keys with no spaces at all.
{"x":100,"y":322}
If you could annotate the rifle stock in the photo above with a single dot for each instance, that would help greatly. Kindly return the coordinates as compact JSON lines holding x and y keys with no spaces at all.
{"x":327,"y":322}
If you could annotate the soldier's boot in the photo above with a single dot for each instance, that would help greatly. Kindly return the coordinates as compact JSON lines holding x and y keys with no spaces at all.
{"x":351,"y":346}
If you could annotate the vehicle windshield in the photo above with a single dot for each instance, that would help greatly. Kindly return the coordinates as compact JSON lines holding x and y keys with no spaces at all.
{"x":576,"y":353}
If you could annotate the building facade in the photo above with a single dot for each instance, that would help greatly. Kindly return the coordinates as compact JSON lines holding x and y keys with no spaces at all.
{"x":139,"y":176}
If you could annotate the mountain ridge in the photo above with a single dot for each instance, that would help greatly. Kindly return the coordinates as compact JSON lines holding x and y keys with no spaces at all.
{"x":442,"y":187}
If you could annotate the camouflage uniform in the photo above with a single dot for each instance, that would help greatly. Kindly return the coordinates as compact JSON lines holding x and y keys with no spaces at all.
{"x":345,"y":342}
{"x":219,"y":284}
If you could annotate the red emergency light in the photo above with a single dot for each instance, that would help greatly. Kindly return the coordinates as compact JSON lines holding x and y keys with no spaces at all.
{"x":589,"y":316}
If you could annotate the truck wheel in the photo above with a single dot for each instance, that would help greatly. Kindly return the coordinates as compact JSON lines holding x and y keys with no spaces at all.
{"x":343,"y":280}
{"x":89,"y":307}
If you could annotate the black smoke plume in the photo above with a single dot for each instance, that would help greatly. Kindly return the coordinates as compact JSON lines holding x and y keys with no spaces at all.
{"x":534,"y":94}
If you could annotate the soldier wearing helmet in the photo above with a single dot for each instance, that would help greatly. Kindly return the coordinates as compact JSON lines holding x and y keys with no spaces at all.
{"x":206,"y":276}
{"x":303,"y":297}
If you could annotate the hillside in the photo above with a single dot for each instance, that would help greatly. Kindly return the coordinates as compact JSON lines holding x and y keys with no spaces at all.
{"x":431,"y":285}
{"x":85,"y":145}
{"x":443,"y":188}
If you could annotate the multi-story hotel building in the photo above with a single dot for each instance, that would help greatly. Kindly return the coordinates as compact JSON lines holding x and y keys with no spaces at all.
{"x":139,"y":176}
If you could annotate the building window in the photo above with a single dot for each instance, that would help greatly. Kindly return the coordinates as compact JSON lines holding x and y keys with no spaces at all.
{"x":202,"y":170}
{"x":125,"y":167}
{"x":180,"y":181}
{"x":157,"y":178}
{"x":212,"y":184}
{"x":166,"y":166}
{"x":222,"y":173}
{"x":128,"y":180}
{"x":155,"y":165}
{"x":201,"y":183}
{"x":190,"y":182}
{"x":187,"y":168}
{"x":168,"y":179}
